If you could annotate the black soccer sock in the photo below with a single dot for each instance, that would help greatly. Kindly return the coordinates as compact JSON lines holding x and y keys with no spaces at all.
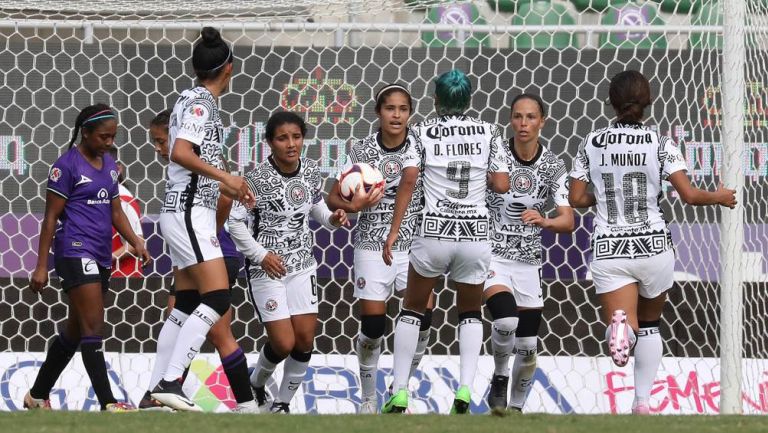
{"x":96,"y":367}
{"x":236,"y":369}
{"x":60,"y":352}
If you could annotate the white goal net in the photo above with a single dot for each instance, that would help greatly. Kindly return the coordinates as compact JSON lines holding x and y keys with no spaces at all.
{"x":324,"y":60}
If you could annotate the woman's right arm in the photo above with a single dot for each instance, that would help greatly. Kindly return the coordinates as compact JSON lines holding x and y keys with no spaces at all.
{"x":361,"y":200}
{"x":699,"y":197}
{"x":54,"y":206}
{"x":183,"y":154}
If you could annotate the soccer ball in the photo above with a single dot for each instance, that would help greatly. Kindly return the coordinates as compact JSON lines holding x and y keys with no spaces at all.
{"x":359,"y":174}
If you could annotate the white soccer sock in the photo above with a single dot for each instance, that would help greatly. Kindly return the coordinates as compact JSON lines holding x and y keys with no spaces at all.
{"x":191,"y":337}
{"x":503,"y":343}
{"x":648,"y":353}
{"x":166,"y":341}
{"x":470,"y":343}
{"x":368,"y":351}
{"x":406,"y":341}
{"x":293,"y":374}
{"x":263,"y":370}
{"x":421,"y":347}
{"x":523,"y":369}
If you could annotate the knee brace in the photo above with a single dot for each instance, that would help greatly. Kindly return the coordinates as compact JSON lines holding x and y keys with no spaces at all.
{"x":373,"y":326}
{"x":301,"y":356}
{"x":218,"y":300}
{"x":411,"y":317}
{"x":530,"y":321}
{"x":187,"y":301}
{"x":502,"y":305}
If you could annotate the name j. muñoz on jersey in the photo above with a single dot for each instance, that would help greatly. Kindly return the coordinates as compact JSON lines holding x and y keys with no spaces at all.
{"x":457,"y":153}
{"x":626,"y":163}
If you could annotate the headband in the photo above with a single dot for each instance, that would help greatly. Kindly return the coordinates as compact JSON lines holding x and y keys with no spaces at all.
{"x":391,"y":87}
{"x":103,"y":114}
{"x":226,"y":60}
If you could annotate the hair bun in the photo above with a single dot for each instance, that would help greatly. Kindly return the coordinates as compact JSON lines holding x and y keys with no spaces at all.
{"x":211,"y":37}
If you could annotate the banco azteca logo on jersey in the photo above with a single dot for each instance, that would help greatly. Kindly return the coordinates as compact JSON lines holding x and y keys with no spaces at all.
{"x":102,"y":197}
{"x":296,"y":193}
{"x":391,"y":167}
{"x":523,"y":181}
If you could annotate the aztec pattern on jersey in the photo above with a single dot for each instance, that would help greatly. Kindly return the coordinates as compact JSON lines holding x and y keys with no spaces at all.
{"x":626,"y":163}
{"x":373,"y":224}
{"x":195,"y":118}
{"x":532,"y":186}
{"x":280,"y":219}
{"x":457,"y":153}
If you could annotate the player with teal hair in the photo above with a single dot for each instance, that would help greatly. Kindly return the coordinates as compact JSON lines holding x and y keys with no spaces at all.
{"x":453,"y":92}
{"x":461,"y":158}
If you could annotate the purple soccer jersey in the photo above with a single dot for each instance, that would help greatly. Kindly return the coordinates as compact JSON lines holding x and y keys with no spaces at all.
{"x":85,"y":225}
{"x":228,"y":248}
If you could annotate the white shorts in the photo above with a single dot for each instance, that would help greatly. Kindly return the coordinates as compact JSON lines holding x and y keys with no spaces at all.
{"x":653,"y":275}
{"x":190,"y":240}
{"x":522,"y":278}
{"x":467,"y":262}
{"x":374,"y":280}
{"x":291,"y":295}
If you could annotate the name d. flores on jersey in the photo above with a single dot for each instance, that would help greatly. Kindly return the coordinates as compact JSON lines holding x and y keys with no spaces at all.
{"x":102,"y":197}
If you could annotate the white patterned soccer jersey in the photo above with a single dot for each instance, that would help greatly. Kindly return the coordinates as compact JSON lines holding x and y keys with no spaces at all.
{"x":532,"y":185}
{"x":457,"y":154}
{"x":195,"y":118}
{"x":280,"y":220}
{"x":373,"y":223}
{"x":626,"y":164}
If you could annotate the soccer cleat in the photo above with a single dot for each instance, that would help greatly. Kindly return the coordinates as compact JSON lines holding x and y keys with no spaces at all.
{"x":369,"y":407}
{"x":461,"y":401}
{"x":497,"y":395}
{"x":514,"y":409}
{"x":170,"y":394}
{"x":618,"y":344}
{"x":120,"y":407}
{"x":31,"y":403}
{"x":397,"y":403}
{"x":278,"y":407}
{"x":641,"y":407}
{"x":149,"y":404}
{"x":247,"y":407}
{"x":263,"y":398}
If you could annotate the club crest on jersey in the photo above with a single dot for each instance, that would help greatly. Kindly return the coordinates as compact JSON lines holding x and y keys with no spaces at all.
{"x":361,"y":283}
{"x":491,"y":274}
{"x":55,"y":174}
{"x":296,"y":193}
{"x":198,"y":111}
{"x":522,"y":181}
{"x":113,"y":173}
{"x":270,"y":305}
{"x":391,"y":167}
{"x":215,"y":241}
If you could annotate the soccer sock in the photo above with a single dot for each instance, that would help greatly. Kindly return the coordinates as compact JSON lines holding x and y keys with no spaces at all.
{"x":523,"y":369}
{"x":406,"y":340}
{"x":96,"y":367}
{"x":293,"y":374}
{"x":421,"y":346}
{"x":166,"y":341}
{"x":503,"y":343}
{"x":470,"y":342}
{"x":648,"y":353}
{"x":60,"y":352}
{"x":368,"y":351}
{"x":190,"y":338}
{"x":236,"y":369}
{"x":265,"y":366}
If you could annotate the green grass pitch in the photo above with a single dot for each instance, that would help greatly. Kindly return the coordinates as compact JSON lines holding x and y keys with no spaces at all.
{"x":81,"y":422}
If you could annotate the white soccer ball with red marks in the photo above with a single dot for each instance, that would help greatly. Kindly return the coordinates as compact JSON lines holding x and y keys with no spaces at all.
{"x":362,"y":175}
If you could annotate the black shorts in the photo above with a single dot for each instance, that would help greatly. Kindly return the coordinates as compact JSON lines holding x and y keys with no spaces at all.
{"x":233,"y":270}
{"x":75,"y":272}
